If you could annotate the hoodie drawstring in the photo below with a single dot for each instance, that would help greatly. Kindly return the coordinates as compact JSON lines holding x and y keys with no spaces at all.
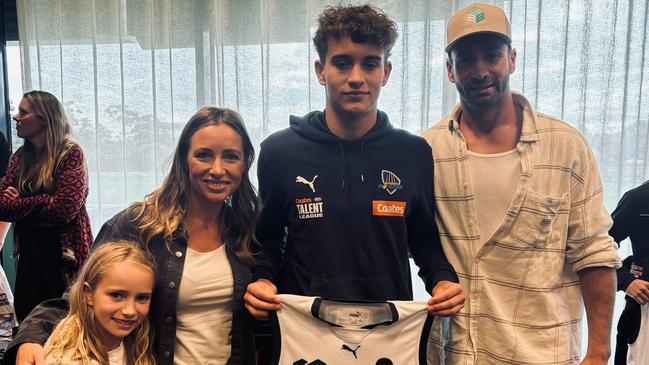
{"x":343,"y":167}
{"x":343,"y":163}
{"x":362,"y":160}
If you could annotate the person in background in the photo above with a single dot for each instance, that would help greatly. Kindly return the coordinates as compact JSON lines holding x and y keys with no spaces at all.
{"x":7,"y":313}
{"x":198,"y":226}
{"x":521,"y":214}
{"x":5,"y":154}
{"x":631,"y":220}
{"x":107,"y":322}
{"x":44,"y":194}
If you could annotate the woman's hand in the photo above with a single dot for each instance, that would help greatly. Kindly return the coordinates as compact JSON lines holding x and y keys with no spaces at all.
{"x":11,"y":193}
{"x":30,"y":354}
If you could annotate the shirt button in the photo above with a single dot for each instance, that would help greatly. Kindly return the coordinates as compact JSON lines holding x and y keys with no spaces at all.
{"x":172,"y":284}
{"x":179,"y":254}
{"x":166,"y":353}
{"x":169,"y":319}
{"x":236,"y":344}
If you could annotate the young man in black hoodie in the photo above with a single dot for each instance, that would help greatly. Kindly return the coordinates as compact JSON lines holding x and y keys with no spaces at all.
{"x":345,"y":195}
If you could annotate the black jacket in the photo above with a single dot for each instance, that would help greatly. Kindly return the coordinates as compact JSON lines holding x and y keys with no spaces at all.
{"x":340,"y":217}
{"x":162,"y":314}
{"x":631,"y":220}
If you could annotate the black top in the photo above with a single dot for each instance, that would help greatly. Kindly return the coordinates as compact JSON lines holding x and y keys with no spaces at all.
{"x":5,"y":154}
{"x":339,"y":218}
{"x":631,"y":219}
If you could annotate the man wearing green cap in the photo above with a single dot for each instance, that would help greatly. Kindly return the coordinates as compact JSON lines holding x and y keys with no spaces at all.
{"x":520,"y":213}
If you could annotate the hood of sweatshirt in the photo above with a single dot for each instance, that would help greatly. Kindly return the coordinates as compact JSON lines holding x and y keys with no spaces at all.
{"x":313,"y":127}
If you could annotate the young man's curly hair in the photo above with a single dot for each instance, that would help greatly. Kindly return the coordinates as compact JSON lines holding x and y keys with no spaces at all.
{"x":363,"y":23}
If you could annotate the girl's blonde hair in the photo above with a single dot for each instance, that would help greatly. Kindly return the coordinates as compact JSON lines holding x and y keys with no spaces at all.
{"x":36,"y":170}
{"x":77,"y":335}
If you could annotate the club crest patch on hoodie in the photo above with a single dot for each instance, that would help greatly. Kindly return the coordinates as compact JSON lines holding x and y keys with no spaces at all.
{"x":390,"y":182}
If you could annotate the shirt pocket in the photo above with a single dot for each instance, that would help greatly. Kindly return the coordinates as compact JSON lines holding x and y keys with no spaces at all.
{"x":535,"y":221}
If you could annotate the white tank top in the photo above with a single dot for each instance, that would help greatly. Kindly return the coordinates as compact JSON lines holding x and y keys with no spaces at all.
{"x":495,"y":179}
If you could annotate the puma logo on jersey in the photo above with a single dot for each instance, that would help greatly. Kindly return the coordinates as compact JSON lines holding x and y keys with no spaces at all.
{"x":347,"y":348}
{"x":304,"y":181}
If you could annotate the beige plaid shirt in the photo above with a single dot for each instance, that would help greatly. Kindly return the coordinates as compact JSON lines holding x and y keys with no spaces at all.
{"x":524,"y":303}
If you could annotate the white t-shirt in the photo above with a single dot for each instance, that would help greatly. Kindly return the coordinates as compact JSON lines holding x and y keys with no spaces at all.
{"x":204,"y":309}
{"x":310,"y":330}
{"x":495,"y":177}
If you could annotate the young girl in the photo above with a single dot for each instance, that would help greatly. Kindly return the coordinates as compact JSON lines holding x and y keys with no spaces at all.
{"x":109,"y":301}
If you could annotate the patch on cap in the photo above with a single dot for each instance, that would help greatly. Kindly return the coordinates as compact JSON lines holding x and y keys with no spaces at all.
{"x":476,"y":15}
{"x":477,"y":18}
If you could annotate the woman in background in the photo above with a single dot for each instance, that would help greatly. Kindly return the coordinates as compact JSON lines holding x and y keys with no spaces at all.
{"x":44,"y":194}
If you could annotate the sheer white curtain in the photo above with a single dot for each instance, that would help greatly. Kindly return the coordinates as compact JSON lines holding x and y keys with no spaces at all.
{"x":130,"y":74}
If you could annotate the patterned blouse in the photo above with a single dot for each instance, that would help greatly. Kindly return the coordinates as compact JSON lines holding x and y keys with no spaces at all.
{"x":65,"y":207}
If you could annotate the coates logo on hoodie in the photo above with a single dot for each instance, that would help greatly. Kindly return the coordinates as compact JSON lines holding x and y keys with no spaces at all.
{"x":388,"y":208}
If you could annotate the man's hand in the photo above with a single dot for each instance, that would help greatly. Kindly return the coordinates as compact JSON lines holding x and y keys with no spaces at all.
{"x":448,"y":298}
{"x":30,"y":354}
{"x":260,"y":298}
{"x":598,"y":291}
{"x":589,"y":360}
{"x":638,"y":290}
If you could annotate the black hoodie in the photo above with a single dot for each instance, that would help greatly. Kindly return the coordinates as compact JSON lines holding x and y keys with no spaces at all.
{"x":339,"y":217}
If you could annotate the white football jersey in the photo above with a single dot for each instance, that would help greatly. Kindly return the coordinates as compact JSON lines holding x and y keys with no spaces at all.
{"x":639,"y":350}
{"x":315,"y":331}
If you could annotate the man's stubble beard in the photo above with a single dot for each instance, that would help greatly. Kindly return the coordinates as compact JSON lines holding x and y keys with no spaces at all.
{"x":502,"y":88}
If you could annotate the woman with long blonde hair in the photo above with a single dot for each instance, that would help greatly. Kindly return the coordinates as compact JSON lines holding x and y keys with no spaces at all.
{"x":198,"y":226}
{"x":107,"y":321}
{"x":44,"y":194}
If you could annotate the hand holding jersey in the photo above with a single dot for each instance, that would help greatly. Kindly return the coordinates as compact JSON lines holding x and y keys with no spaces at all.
{"x":261,"y":297}
{"x":638,"y":290}
{"x":447,"y":299}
